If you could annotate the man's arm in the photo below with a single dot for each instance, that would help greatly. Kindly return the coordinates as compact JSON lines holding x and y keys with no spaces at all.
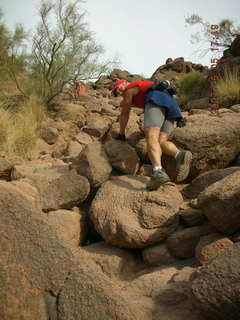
{"x":125,"y":105}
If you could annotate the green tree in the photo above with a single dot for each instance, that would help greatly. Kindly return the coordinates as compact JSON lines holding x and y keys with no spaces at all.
{"x":225,"y":35}
{"x":12,"y":53}
{"x":64,"y":49}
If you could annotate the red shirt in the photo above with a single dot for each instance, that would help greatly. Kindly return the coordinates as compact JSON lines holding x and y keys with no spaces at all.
{"x":139,"y":98}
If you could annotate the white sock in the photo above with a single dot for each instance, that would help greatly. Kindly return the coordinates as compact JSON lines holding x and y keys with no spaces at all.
{"x":176,"y":155}
{"x":156,"y":168}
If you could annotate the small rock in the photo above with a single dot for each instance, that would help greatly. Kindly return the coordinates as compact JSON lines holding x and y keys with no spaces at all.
{"x":50,"y":135}
{"x":211,"y":246}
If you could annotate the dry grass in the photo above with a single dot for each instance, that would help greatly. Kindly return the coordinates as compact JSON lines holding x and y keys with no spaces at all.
{"x":5,"y":125}
{"x":74,"y":115}
{"x":228,"y":88}
{"x":19,"y":133}
{"x":74,"y":112}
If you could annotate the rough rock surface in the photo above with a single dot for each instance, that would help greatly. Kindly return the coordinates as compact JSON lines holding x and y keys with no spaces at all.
{"x":83,"y":138}
{"x":89,"y":294}
{"x":126,"y":215}
{"x":66,"y":224}
{"x":175,"y":67}
{"x":26,"y":170}
{"x":206,"y":179}
{"x":168,"y":287}
{"x":60,"y":191}
{"x":116,"y":263}
{"x":50,"y":134}
{"x":183,"y":243}
{"x":192,"y":217}
{"x":33,"y":260}
{"x":93,"y":163}
{"x":220,"y":203}
{"x":216,"y":286}
{"x":133,"y":133}
{"x":202,"y":103}
{"x":211,"y":246}
{"x":122,"y":156}
{"x":210,"y":139}
{"x":158,"y":255}
{"x":97,"y":125}
{"x":73,"y":149}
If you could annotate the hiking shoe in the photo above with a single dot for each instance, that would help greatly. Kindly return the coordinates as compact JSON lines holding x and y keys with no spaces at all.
{"x":158,"y":178}
{"x":183,"y":163}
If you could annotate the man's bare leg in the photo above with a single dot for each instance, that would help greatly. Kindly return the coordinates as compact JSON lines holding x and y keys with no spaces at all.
{"x":153,"y":145}
{"x":167,"y":147}
{"x":183,"y":158}
{"x":155,"y":154}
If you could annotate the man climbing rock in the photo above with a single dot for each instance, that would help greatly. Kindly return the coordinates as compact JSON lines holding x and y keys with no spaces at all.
{"x":160,"y":111}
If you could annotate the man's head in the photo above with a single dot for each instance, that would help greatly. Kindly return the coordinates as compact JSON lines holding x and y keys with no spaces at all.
{"x":119,"y":87}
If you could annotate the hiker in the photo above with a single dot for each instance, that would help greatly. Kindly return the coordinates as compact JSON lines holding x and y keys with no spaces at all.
{"x":160,"y":111}
{"x":78,"y":88}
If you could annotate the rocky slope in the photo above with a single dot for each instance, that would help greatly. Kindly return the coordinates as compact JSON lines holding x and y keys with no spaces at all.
{"x":81,"y":238}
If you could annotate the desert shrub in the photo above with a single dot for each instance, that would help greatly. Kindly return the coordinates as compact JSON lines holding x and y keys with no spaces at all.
{"x":228,"y":88}
{"x":5,"y":125}
{"x":22,"y":127}
{"x":190,"y":84}
{"x":64,"y":49}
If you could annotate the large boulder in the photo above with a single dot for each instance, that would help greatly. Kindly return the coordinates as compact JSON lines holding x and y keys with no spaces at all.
{"x":68,"y":225}
{"x":97,"y":125}
{"x":126,"y":215}
{"x":89,"y":294}
{"x":116,"y":263}
{"x":34,"y":263}
{"x":216,"y":286}
{"x":175,"y":68}
{"x":169,"y":288}
{"x":26,"y":170}
{"x":220,"y":202}
{"x":214,"y":141}
{"x":205,"y":179}
{"x":93,"y":163}
{"x":123,"y":74}
{"x":202,"y":103}
{"x":122,"y":156}
{"x":62,"y":191}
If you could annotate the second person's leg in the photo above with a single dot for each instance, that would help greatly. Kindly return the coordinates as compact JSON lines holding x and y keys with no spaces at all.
{"x":154,"y":117}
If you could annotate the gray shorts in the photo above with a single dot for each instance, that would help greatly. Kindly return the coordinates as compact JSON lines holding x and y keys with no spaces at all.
{"x":154,"y":116}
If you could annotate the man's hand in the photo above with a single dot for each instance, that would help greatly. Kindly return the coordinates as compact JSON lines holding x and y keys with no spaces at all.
{"x":181,"y":122}
{"x":121,"y":137}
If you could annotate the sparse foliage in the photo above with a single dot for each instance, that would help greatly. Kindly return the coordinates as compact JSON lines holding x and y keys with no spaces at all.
{"x":64,"y":49}
{"x":228,"y":88}
{"x":19,"y":129}
{"x":190,"y":81}
{"x":227,"y":32}
{"x":12,"y":55}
